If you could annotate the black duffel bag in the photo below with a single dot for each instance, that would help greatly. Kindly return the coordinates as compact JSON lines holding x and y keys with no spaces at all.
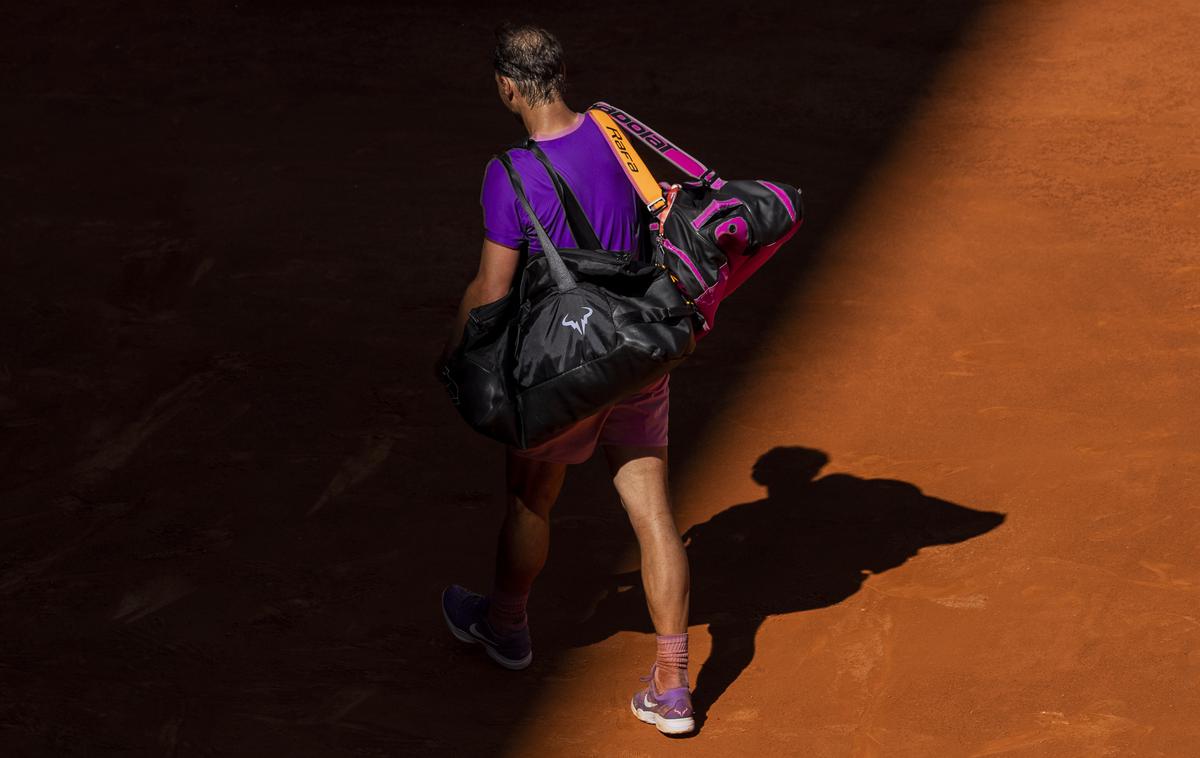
{"x":580,"y":330}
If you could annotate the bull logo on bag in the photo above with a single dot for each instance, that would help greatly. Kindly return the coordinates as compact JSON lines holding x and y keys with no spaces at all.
{"x":580,"y":325}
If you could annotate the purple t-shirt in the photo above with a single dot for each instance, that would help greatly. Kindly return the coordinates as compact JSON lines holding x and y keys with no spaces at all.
{"x":584,"y":160}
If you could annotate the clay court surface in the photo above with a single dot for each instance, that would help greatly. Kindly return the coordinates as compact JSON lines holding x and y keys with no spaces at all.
{"x":938,"y":463}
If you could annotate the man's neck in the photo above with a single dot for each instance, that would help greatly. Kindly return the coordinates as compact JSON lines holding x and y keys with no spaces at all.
{"x":549,"y":121}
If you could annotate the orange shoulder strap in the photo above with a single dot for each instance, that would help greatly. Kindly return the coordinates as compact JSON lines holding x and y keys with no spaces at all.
{"x":627,"y":156}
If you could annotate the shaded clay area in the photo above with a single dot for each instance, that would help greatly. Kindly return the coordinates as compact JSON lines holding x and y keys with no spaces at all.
{"x":936,"y":466}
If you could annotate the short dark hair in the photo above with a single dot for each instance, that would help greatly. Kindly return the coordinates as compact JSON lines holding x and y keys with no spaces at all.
{"x":533,"y":58}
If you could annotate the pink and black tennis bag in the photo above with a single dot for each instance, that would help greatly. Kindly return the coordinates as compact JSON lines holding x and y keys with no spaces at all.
{"x":712,"y":234}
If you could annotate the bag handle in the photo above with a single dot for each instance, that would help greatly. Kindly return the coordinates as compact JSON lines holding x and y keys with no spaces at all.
{"x":581,"y":228}
{"x":661,"y":145}
{"x":563,"y":280}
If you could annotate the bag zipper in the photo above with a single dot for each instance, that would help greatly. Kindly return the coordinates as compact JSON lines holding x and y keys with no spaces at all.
{"x":668,"y":245}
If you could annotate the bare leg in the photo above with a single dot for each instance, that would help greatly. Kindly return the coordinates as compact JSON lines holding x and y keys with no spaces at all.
{"x":532,"y":489}
{"x":640,"y":477}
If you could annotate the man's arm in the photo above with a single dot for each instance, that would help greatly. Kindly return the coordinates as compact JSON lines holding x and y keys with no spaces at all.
{"x":497,"y":265}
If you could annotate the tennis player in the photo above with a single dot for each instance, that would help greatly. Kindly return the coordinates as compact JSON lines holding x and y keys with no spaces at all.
{"x":530,"y":78}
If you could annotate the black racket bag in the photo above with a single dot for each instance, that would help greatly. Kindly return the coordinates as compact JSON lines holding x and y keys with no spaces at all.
{"x":581,"y":329}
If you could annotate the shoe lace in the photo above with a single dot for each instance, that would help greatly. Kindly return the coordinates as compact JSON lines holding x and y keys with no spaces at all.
{"x":649,"y":677}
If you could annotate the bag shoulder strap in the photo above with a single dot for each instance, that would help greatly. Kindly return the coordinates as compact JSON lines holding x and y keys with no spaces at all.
{"x":581,"y":228}
{"x":635,"y":168}
{"x":675,"y":155}
{"x":558,"y":270}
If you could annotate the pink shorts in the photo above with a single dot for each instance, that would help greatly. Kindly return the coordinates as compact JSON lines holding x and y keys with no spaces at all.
{"x":639,"y":420}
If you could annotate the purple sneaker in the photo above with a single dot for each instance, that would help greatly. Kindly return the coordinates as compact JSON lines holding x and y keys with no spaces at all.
{"x":466,"y":615}
{"x":670,"y":711}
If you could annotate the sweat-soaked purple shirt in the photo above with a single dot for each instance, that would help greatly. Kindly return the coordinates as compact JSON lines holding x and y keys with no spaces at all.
{"x":584,"y":160}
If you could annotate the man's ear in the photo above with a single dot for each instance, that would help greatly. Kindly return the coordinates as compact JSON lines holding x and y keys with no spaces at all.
{"x":508,"y":89}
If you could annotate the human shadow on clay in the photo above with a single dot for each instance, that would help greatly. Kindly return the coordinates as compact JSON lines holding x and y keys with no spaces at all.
{"x":809,"y":544}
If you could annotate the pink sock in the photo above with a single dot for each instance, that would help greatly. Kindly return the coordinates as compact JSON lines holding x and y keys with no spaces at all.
{"x":506,"y":611}
{"x":671,"y":661}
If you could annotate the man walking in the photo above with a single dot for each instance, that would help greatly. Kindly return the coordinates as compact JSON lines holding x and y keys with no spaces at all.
{"x":530,"y":78}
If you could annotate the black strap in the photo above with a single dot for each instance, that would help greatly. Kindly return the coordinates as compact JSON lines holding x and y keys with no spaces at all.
{"x":562,"y":277}
{"x":654,"y":315}
{"x":581,"y":228}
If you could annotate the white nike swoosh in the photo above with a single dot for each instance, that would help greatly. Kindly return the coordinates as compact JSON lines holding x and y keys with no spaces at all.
{"x":650,"y":705}
{"x":474,"y":632}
